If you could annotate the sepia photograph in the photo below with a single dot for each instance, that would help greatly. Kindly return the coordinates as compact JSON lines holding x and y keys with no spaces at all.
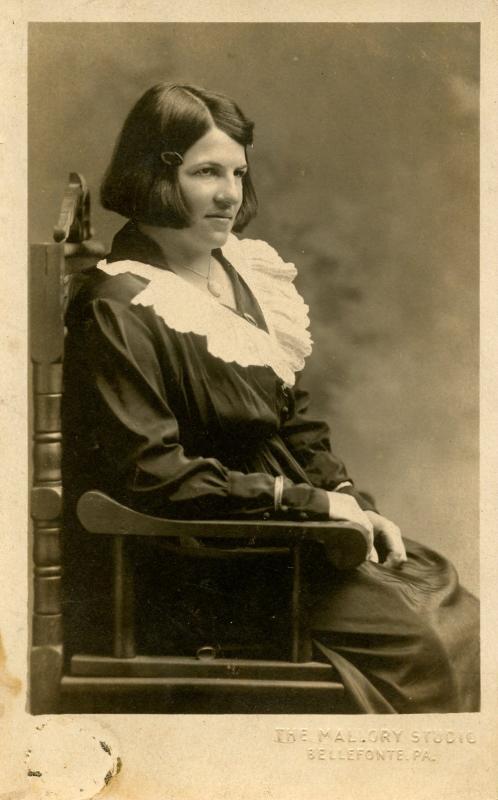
{"x":252,"y":287}
{"x":280,"y":460}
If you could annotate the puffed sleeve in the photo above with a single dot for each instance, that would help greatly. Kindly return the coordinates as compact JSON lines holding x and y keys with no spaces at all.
{"x":138,"y":436}
{"x":309,"y":442}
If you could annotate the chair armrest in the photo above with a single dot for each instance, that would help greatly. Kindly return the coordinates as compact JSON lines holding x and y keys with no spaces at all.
{"x":347,"y":543}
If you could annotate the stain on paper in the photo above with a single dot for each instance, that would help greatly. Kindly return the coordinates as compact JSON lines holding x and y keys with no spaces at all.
{"x":72,"y":758}
{"x":8,"y":682}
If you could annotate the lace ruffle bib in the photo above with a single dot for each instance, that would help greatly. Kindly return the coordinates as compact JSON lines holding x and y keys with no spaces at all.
{"x":186,"y":309}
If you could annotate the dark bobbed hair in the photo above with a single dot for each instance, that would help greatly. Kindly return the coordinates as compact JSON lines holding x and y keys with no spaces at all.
{"x":169,"y":117}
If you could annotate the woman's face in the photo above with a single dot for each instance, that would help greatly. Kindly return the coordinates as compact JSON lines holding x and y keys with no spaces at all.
{"x":210,"y":180}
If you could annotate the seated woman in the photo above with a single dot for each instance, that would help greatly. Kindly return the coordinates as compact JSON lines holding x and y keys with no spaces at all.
{"x":181,"y":401}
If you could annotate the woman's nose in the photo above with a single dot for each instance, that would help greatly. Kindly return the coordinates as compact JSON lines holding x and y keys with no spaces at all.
{"x":229,"y":192}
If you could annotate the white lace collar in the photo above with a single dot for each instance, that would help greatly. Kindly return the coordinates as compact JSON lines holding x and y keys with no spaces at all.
{"x":186,"y":309}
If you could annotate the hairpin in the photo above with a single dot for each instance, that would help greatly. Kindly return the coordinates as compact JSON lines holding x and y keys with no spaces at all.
{"x":171,"y":159}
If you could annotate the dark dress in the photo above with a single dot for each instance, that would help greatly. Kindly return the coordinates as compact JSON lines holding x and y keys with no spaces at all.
{"x":179,"y":407}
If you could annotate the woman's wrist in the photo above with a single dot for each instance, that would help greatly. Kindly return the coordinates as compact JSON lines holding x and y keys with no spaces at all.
{"x":302,"y":501}
{"x":365,"y":502}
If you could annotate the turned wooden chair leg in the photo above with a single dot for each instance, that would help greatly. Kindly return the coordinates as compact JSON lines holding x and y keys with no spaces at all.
{"x":124,"y":601}
{"x":301,"y":642}
{"x":296,"y":603}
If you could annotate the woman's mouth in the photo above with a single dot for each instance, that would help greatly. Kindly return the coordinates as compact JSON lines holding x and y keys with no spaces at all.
{"x":218,"y":220}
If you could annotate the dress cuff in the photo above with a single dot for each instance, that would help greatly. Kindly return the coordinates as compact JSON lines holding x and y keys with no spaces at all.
{"x":343,"y":485}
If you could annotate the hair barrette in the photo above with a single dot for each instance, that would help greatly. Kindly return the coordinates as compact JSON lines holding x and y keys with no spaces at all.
{"x":171,"y":159}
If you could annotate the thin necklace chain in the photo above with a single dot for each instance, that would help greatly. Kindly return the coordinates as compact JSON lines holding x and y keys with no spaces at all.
{"x":200,"y":274}
{"x":213,"y":286}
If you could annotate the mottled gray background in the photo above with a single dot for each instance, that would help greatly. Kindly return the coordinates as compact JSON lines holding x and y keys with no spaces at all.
{"x":366,"y":165}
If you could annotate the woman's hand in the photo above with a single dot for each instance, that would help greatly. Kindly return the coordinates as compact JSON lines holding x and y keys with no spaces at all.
{"x":344,"y":507}
{"x":387,"y":536}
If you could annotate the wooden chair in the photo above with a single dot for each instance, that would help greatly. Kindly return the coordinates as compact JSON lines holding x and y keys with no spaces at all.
{"x":129,"y":681}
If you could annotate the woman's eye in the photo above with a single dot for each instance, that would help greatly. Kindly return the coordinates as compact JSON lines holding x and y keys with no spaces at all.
{"x":206,"y":171}
{"x":212,"y":171}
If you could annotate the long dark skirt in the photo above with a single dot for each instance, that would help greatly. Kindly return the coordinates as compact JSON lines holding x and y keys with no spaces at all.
{"x":403,"y":640}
